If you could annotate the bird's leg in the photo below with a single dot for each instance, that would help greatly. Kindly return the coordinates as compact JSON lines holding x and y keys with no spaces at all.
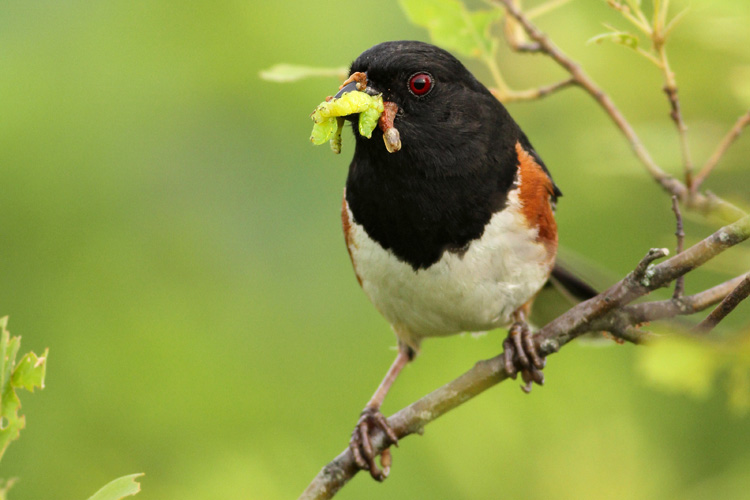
{"x":519,"y":351}
{"x":371,"y":417}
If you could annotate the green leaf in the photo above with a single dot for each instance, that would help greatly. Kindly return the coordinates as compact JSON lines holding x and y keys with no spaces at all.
{"x":452,"y":26}
{"x":27,"y":374}
{"x":691,"y":365}
{"x":11,"y":422}
{"x":739,"y":389}
{"x":30,"y":371}
{"x":681,"y":364}
{"x":739,"y":82}
{"x":5,"y":486}
{"x":292,"y":72}
{"x":619,"y":37}
{"x":119,"y":488}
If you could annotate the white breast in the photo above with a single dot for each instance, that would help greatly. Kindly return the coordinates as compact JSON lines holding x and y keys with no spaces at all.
{"x":476,"y":291}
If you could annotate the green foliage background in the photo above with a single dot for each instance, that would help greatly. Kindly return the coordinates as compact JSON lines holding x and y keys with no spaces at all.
{"x":168,"y":231}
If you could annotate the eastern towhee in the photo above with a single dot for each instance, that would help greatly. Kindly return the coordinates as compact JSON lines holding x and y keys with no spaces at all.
{"x":450,"y":226}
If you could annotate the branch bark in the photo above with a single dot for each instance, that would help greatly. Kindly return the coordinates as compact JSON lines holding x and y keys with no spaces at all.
{"x":607,"y":310}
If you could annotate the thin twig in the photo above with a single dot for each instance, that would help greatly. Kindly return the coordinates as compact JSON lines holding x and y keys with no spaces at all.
{"x":727,"y":305}
{"x":694,"y":200}
{"x":670,"y":88}
{"x":584,"y":81}
{"x":679,"y":284}
{"x":727,"y":141}
{"x":659,"y":42}
{"x":638,"y":20}
{"x":537,"y":93}
{"x":623,"y":322}
{"x":636,"y":314}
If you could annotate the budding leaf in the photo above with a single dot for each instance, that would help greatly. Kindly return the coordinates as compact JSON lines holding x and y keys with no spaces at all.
{"x":119,"y":488}
{"x":619,"y":37}
{"x":292,"y":72}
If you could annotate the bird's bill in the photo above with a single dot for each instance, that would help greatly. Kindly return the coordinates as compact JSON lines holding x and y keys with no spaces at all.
{"x":358,"y":81}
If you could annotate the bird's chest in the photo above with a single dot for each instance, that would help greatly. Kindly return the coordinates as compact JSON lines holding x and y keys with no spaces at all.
{"x":476,"y":289}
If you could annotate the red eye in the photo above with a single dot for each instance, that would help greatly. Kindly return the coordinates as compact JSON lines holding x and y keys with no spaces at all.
{"x":420,"y":84}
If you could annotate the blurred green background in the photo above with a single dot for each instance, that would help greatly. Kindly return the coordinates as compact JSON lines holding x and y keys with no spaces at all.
{"x":168,"y":231}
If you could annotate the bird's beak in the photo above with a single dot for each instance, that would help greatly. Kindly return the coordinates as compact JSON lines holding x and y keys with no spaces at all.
{"x":391,"y":136}
{"x":355,"y":82}
{"x":349,"y":87}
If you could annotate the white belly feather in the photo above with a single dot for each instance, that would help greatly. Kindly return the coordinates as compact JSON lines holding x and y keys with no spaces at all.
{"x":476,"y":291}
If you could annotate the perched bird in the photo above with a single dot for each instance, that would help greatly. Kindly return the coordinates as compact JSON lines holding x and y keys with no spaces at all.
{"x":450,"y":225}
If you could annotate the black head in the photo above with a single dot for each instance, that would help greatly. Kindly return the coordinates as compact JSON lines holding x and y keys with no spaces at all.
{"x":391,"y":65}
{"x":444,"y":113}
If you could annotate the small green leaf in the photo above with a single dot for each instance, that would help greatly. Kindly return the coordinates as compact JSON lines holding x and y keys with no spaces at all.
{"x":119,"y":488}
{"x":452,"y":26}
{"x":5,"y":486}
{"x":738,"y":387}
{"x":691,"y":365}
{"x":291,"y":73}
{"x":619,"y":37}
{"x":30,"y":371}
{"x":681,"y":364}
{"x":11,"y":422}
{"x":739,"y":82}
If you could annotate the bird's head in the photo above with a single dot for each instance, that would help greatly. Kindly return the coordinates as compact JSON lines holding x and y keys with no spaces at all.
{"x":440,"y":110}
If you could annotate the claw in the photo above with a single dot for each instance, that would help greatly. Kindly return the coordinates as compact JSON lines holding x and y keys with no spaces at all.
{"x":361,"y":445}
{"x":508,"y":351}
{"x":530,"y":348}
{"x":516,"y":334}
{"x":520,"y":355}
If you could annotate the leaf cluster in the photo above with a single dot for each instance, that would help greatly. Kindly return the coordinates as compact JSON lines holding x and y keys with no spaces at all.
{"x":27,"y":373}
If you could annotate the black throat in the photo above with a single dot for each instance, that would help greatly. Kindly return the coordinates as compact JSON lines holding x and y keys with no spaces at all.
{"x":439,"y":192}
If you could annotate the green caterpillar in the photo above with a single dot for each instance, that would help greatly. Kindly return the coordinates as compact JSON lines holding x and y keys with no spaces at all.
{"x":329,"y":121}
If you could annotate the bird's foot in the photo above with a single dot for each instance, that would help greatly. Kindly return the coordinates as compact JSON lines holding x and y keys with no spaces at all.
{"x":520,"y":355}
{"x":361,"y":446}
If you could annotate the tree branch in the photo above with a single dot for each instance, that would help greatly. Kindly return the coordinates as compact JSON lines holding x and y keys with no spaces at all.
{"x":693,"y":199}
{"x":587,"y":316}
{"x":622,"y":320}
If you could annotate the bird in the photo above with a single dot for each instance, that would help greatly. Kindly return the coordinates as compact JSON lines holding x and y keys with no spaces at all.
{"x":448,"y":216}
